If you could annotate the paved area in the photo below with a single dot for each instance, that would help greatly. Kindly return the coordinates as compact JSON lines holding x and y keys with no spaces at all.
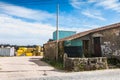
{"x":31,"y":68}
{"x":93,"y":75}
{"x":23,"y":67}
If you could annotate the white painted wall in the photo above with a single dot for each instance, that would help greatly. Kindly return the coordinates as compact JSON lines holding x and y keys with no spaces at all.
{"x":7,"y":51}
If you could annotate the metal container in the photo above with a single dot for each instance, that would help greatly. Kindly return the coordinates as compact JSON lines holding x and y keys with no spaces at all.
{"x":7,"y":51}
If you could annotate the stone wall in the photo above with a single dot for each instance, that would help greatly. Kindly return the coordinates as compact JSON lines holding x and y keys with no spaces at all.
{"x":85,"y":64}
{"x":50,"y":51}
{"x":110,"y":41}
{"x":61,"y":51}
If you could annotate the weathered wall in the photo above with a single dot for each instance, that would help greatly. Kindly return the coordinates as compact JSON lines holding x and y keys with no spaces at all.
{"x":50,"y":51}
{"x":110,"y":41}
{"x":61,"y":51}
{"x":84,"y":64}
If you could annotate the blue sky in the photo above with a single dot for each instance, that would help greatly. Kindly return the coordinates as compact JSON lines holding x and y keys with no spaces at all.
{"x":30,"y":22}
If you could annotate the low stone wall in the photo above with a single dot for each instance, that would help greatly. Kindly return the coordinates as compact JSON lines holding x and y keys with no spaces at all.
{"x":85,"y":64}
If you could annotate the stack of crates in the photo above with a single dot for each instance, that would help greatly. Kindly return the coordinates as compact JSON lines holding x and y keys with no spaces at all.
{"x":21,"y":51}
{"x":29,"y":52}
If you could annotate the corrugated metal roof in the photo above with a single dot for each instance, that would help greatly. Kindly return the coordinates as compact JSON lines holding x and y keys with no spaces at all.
{"x":81,"y":34}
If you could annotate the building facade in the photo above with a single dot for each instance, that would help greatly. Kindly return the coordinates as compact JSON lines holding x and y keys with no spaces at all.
{"x":93,"y":43}
{"x":7,"y":51}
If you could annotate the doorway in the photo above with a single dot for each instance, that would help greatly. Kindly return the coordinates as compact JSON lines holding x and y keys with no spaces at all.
{"x":97,"y":47}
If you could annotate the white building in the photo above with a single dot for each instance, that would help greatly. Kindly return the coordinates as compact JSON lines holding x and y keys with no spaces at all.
{"x":7,"y":51}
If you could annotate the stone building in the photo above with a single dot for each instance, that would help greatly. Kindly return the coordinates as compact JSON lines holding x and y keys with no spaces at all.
{"x":93,"y":43}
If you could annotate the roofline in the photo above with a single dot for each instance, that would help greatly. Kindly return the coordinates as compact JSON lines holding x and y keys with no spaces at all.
{"x":84,"y":33}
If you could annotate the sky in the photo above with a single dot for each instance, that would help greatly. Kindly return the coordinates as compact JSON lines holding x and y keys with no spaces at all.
{"x":32,"y":22}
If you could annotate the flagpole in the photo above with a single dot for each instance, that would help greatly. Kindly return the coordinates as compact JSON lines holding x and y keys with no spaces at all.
{"x":57,"y":28}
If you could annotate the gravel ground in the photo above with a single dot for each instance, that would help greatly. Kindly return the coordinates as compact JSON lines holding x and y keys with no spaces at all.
{"x":31,"y":68}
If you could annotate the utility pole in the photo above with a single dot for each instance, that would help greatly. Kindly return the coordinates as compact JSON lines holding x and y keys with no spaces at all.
{"x":57,"y":32}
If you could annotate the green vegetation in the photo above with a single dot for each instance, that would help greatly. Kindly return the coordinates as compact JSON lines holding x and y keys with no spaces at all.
{"x":56,"y":64}
{"x":114,"y":62}
{"x":81,"y":67}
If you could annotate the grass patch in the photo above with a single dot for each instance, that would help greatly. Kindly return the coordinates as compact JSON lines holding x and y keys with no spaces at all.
{"x":56,"y":64}
{"x":114,"y":62}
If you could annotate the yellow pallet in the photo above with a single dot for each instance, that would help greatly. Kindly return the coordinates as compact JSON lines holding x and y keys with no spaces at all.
{"x":29,"y":54}
{"x":20,"y":54}
{"x":41,"y":53}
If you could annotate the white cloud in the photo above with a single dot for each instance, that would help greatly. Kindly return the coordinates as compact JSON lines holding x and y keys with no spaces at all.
{"x":81,"y":29}
{"x":107,"y":4}
{"x":110,"y":4}
{"x":18,"y":31}
{"x":76,"y":3}
{"x":91,"y":1}
{"x":25,"y":12}
{"x":13,"y":29}
{"x":79,"y":3}
{"x":96,"y":14}
{"x":91,"y":13}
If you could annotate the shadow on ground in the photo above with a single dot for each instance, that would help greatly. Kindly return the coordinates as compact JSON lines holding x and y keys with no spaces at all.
{"x":38,"y":62}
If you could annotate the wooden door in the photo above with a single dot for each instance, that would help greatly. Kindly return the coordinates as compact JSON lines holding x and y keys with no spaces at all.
{"x":97,"y":47}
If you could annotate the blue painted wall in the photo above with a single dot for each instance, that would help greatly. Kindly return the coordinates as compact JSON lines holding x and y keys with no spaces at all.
{"x":76,"y":42}
{"x":63,"y":34}
{"x":73,"y":48}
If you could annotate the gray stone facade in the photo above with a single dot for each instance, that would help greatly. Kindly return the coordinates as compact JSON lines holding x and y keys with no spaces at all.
{"x":54,"y":51}
{"x":50,"y":51}
{"x":109,"y":41}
